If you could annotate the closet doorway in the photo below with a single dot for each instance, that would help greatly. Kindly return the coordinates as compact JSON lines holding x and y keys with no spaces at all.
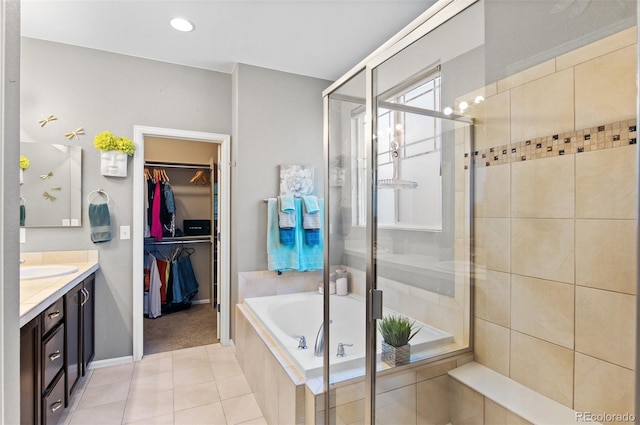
{"x":197,"y":166}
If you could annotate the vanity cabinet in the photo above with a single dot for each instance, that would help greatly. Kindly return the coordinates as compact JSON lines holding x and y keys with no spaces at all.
{"x":55,"y":350}
{"x":30,"y":372}
{"x":80,"y":340}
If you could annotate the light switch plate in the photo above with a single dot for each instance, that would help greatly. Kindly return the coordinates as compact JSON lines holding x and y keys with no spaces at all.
{"x":125,"y":232}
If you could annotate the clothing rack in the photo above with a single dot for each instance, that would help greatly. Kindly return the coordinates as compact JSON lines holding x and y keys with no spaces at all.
{"x":169,"y":241}
{"x":177,"y":165}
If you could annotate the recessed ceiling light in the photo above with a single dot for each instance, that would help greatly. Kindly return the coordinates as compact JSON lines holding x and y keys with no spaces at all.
{"x":182,"y":24}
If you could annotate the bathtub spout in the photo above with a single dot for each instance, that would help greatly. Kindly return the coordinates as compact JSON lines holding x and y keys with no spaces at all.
{"x":318,"y":349}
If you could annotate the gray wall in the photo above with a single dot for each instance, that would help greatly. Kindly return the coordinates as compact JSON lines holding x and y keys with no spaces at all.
{"x":9,"y":151}
{"x":277,"y":119}
{"x":100,"y":91}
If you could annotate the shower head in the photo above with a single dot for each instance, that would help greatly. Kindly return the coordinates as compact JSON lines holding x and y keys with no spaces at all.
{"x":395,"y":182}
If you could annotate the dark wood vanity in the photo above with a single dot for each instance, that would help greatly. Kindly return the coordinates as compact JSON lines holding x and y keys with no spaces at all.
{"x":56,"y":348}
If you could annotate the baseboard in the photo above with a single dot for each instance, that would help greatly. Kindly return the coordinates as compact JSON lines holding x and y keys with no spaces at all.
{"x":97,"y":364}
{"x":207,"y":301}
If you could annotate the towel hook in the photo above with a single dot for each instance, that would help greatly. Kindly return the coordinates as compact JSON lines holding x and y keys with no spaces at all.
{"x":99,"y":191}
{"x":23,"y":201}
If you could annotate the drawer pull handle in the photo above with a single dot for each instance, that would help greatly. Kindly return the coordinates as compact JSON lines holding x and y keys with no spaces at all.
{"x":85,"y":296}
{"x":54,"y":315}
{"x":55,"y":406}
{"x":54,"y":356}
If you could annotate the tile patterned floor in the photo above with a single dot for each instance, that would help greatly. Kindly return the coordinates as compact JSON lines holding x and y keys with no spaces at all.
{"x":200,"y":385}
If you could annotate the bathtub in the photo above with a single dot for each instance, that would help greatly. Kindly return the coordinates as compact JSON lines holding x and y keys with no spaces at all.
{"x":302,"y":313}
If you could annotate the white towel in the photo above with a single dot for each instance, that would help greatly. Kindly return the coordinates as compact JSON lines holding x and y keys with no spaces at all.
{"x":310,"y":221}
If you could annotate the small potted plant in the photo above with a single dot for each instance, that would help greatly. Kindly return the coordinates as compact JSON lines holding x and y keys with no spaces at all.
{"x":114,"y":151}
{"x":396,"y":331}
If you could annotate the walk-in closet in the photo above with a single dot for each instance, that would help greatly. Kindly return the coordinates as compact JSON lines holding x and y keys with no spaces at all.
{"x":180,"y":254}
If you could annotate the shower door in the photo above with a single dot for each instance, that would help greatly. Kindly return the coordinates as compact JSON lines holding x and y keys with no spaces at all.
{"x":420,"y":214}
{"x":398,"y":148}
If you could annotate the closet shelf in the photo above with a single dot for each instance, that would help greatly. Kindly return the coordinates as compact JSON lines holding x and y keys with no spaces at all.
{"x":179,"y":240}
{"x":177,"y":165}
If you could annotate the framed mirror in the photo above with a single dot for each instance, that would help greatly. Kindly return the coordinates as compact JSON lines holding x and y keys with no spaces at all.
{"x":51,"y":185}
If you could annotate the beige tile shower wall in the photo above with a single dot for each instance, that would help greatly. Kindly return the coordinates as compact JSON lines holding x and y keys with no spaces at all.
{"x":554,"y":211}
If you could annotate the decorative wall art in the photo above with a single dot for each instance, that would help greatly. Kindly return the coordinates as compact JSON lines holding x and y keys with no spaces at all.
{"x":296,"y":180}
{"x":74,"y":134}
{"x":44,"y":122}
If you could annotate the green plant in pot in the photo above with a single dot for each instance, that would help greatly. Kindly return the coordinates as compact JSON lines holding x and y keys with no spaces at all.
{"x":396,"y":331}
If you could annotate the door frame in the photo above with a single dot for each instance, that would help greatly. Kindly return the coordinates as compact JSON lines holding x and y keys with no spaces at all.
{"x":223,"y":141}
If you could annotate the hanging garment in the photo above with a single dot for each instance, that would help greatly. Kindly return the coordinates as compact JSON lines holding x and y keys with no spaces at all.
{"x":152,"y":304}
{"x":168,"y":210}
{"x":147,"y":229}
{"x":188,"y":282}
{"x":156,"y":225}
{"x":163,"y":270}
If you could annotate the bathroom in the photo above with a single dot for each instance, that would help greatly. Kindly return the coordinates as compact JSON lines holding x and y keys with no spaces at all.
{"x":504,"y":331}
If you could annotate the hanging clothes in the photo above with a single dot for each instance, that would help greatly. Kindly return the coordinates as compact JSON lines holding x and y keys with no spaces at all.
{"x":156,"y":224}
{"x":168,"y":210}
{"x":161,"y":207}
{"x":152,"y":303}
{"x":163,"y":270}
{"x":188,"y":282}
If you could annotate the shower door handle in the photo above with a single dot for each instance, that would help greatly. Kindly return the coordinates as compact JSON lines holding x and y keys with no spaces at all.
{"x":376,"y":304}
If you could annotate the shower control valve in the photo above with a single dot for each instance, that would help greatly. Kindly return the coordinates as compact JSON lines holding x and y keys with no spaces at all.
{"x":341,"y":346}
{"x":302,"y":343}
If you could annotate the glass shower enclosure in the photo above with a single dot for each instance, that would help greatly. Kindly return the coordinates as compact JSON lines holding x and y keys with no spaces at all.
{"x":399,"y":214}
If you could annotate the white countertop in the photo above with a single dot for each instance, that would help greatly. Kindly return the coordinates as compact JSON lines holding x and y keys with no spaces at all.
{"x":38,"y":294}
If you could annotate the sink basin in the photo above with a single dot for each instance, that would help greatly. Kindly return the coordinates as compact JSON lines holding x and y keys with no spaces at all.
{"x":41,"y":272}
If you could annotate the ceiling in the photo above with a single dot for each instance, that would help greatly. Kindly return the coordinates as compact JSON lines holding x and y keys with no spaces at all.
{"x":318,"y":38}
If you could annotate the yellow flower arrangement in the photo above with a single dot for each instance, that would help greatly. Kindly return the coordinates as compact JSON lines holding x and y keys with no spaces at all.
{"x":107,"y":141}
{"x":24,"y":162}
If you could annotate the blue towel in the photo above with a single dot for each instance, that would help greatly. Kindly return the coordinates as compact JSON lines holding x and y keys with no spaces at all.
{"x":310,"y":257}
{"x":287,"y":204}
{"x":287,"y":236}
{"x":298,"y":256}
{"x":286,"y":212}
{"x":100,"y":223}
{"x":279,"y":256}
{"x":312,"y":237}
{"x":23,"y":215}
{"x":311,"y":203}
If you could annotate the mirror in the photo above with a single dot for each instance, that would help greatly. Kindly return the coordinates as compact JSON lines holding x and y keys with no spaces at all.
{"x":50,"y":187}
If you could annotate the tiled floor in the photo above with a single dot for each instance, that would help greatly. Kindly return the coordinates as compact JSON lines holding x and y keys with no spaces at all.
{"x":200,"y":385}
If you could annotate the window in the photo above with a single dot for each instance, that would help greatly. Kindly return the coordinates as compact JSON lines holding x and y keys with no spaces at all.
{"x":409,"y":162}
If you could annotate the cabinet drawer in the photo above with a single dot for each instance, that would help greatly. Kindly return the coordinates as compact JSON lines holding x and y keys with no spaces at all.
{"x":52,"y":356}
{"x":52,"y":316}
{"x":53,"y":403}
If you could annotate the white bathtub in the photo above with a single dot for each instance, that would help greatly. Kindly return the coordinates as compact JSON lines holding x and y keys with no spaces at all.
{"x":302,"y":313}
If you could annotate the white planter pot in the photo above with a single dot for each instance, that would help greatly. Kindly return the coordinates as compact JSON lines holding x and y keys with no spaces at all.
{"x":113,"y":163}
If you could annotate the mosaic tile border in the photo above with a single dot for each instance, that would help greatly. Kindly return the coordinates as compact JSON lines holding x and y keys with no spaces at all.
{"x":608,"y":136}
